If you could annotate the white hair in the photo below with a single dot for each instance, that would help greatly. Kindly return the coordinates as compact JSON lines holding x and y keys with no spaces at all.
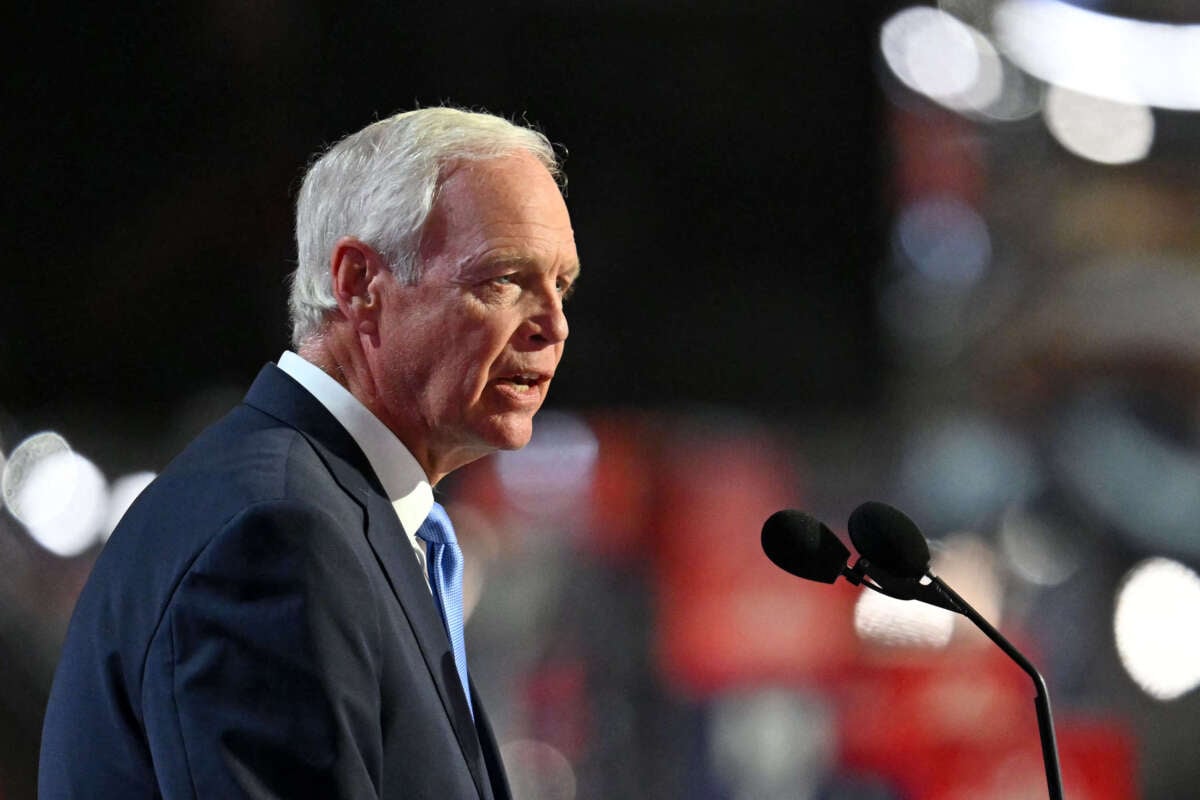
{"x":379,"y":185}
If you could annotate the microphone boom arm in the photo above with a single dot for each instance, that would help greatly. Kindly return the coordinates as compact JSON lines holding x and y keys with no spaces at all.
{"x":1042,"y":698}
{"x":877,"y":579}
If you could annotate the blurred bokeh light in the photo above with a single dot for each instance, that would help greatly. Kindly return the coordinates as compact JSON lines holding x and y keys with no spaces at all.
{"x":1036,"y":549}
{"x":550,"y":477}
{"x":22,"y":461}
{"x":772,"y":743}
{"x":1108,"y":56}
{"x":60,"y":496}
{"x":901,"y":623}
{"x":538,"y":770}
{"x":63,"y":502}
{"x":1098,"y":129}
{"x":931,"y":52}
{"x":1157,"y":606}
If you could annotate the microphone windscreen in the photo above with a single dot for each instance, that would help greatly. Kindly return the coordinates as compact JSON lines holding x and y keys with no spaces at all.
{"x":888,"y":539}
{"x":803,"y":546}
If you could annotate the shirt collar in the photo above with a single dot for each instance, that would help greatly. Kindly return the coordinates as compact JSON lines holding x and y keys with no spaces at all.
{"x":405,"y":482}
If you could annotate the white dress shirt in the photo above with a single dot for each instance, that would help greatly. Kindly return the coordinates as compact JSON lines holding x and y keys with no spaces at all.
{"x":402,"y":478}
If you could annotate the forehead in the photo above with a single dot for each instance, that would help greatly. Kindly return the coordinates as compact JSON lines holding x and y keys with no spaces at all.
{"x":509,"y":205}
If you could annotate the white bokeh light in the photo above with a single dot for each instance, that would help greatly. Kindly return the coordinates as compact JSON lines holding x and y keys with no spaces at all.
{"x":1156,"y":610}
{"x":901,"y":623}
{"x":1121,"y":59}
{"x":22,"y":459}
{"x":1097,"y":129}
{"x":62,"y":500}
{"x":1020,"y":95}
{"x":988,"y":85}
{"x":952,"y":63}
{"x":931,"y":52}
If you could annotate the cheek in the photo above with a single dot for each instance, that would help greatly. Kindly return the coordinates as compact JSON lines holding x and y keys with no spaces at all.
{"x":462,"y":371}
{"x":463,"y":348}
{"x":485,"y":343}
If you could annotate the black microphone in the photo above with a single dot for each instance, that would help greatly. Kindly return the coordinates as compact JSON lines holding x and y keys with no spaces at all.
{"x":803,"y":546}
{"x":887,"y":538}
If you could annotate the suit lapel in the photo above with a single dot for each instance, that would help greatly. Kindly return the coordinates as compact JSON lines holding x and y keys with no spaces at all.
{"x":391,"y":546}
{"x":491,"y":750}
{"x":275,"y":393}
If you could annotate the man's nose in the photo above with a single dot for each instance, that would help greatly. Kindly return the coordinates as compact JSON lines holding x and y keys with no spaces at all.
{"x":549,"y":322}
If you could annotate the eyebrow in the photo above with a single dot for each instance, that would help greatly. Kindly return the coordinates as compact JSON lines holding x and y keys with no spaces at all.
{"x":516,"y":259}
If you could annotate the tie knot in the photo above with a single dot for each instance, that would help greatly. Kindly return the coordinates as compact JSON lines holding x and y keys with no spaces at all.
{"x":437,"y":529}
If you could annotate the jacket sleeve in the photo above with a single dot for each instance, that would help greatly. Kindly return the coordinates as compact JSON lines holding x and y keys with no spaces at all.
{"x":262,"y":679}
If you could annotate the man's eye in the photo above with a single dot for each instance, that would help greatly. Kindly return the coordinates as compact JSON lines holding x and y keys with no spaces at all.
{"x":565,"y":288}
{"x":504,"y":280}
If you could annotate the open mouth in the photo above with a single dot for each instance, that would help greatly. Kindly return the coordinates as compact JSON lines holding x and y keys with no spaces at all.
{"x":522,"y":382}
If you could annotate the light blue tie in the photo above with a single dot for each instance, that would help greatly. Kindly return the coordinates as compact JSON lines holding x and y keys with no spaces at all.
{"x":445,"y":577}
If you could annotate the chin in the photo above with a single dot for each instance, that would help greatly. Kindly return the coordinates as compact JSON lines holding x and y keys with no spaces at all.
{"x":509,"y":434}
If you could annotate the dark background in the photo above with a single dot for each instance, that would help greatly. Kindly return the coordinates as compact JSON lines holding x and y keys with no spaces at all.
{"x":725,"y":168}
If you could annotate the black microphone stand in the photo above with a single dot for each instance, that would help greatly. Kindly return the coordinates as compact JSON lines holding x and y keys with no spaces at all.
{"x":1041,"y":701}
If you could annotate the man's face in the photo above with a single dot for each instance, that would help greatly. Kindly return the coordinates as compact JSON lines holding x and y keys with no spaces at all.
{"x":465,"y":357}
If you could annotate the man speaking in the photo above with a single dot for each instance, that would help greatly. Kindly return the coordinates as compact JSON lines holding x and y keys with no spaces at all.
{"x":279,"y":615}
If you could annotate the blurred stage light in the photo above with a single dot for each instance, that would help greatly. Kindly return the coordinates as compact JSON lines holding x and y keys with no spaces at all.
{"x":1097,"y":129}
{"x":772,"y":743}
{"x":962,"y":468}
{"x":1004,"y":92}
{"x":988,"y":87}
{"x":121,"y":495}
{"x":1156,"y":610}
{"x":59,"y":496}
{"x":1035,"y":550}
{"x":551,"y":475}
{"x":953,"y":64}
{"x":945,"y":240}
{"x":930,"y":51}
{"x":1142,"y":484}
{"x":1116,"y":58}
{"x":943,"y":255}
{"x":27,"y":454}
{"x":538,"y":770}
{"x":901,"y":623}
{"x":1020,"y":96}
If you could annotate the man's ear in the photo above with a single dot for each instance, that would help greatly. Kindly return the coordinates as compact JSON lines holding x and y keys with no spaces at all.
{"x":354,"y":268}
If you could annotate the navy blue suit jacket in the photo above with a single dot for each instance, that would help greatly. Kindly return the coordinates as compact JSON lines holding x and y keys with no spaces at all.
{"x":258,"y":627}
